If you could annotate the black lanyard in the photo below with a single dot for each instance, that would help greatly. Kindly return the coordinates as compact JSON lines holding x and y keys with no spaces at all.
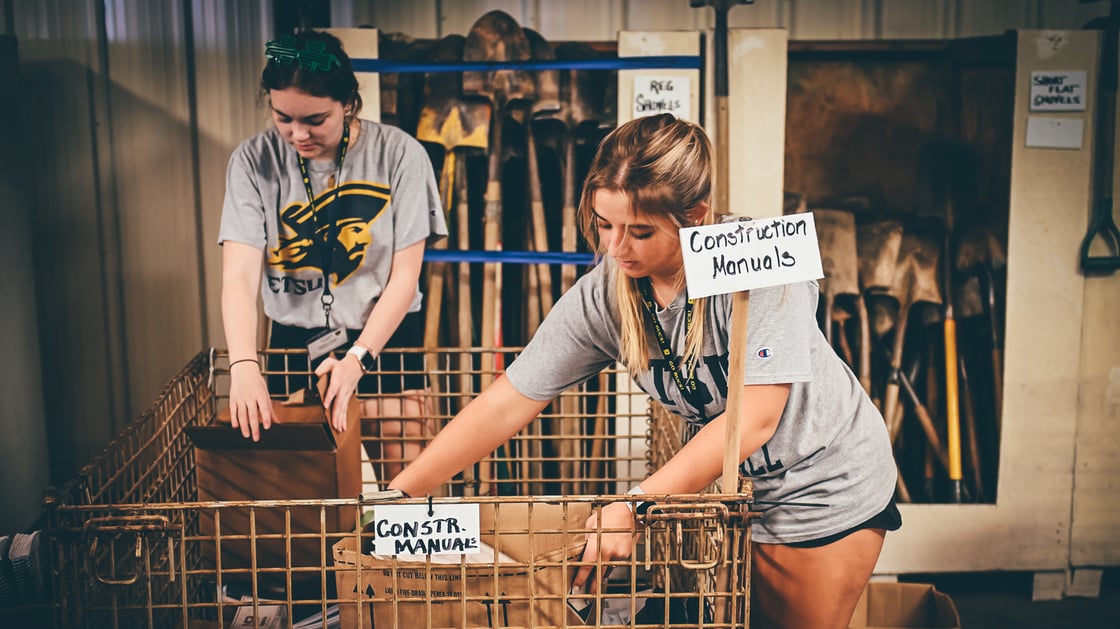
{"x":327,"y":299}
{"x":687,"y":387}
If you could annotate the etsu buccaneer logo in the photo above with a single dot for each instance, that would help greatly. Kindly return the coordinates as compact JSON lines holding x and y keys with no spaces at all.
{"x":343,"y":224}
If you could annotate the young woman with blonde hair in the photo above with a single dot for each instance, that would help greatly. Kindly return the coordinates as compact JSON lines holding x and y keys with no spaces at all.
{"x":809,"y":433}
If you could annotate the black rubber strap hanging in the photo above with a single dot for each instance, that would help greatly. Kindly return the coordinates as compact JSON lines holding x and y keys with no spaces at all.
{"x":688,"y":387}
{"x":1102,"y":225}
{"x":327,"y":298}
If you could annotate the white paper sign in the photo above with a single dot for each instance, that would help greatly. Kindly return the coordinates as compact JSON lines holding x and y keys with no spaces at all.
{"x":738,"y":256}
{"x":1054,"y":133}
{"x":409,"y":530}
{"x":655,"y":94}
{"x":1058,"y":90}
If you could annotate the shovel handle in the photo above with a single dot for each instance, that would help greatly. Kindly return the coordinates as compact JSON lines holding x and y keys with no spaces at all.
{"x":952,"y":408}
{"x":1104,"y":228}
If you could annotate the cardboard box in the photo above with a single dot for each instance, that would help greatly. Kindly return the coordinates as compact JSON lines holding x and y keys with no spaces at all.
{"x":300,"y":457}
{"x":527,"y":592}
{"x":908,"y":605}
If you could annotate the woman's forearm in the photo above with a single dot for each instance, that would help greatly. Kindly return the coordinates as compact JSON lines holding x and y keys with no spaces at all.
{"x":241,"y":268}
{"x":392,"y":306}
{"x":700,"y":461}
{"x":487,"y":422}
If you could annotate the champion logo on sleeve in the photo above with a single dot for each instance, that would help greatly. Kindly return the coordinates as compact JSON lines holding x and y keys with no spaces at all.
{"x":765,"y":352}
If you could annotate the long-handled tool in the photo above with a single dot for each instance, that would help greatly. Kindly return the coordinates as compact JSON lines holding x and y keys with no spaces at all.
{"x":495,"y":36}
{"x":455,"y":124}
{"x":584,"y":104}
{"x":948,"y":167}
{"x":980,"y":257}
{"x":877,"y":246}
{"x":1102,"y":226}
{"x":836,"y":233}
{"x":915,"y":281}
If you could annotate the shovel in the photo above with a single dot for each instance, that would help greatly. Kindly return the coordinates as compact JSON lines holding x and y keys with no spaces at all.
{"x":915,"y":281}
{"x":547,"y":104}
{"x":495,"y":36}
{"x":583,"y":105}
{"x":836,"y":232}
{"x":455,"y":124}
{"x":877,"y":246}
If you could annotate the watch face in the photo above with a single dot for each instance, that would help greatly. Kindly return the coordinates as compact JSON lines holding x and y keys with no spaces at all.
{"x":368,"y":361}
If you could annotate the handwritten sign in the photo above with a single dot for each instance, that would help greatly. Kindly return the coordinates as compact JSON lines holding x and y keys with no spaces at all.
{"x":662,"y":95}
{"x":410,"y":530}
{"x":1058,"y":90}
{"x":738,"y":256}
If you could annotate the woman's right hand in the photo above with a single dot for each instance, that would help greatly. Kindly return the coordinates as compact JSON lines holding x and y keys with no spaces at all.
{"x":618,"y":518}
{"x":250,"y":407}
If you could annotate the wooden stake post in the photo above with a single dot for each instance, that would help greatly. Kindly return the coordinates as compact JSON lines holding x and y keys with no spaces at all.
{"x":740,"y":315}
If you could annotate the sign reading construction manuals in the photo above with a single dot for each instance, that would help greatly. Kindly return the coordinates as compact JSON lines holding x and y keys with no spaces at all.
{"x":664,"y":94}
{"x":1058,"y":90}
{"x":741,"y":255}
{"x":426,"y":529}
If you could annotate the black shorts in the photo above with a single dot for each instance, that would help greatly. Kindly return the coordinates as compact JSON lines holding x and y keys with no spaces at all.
{"x":394,"y":372}
{"x":889,"y":519}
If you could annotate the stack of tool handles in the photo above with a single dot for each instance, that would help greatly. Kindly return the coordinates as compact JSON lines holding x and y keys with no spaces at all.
{"x":511,"y":122}
{"x":1102,"y":226}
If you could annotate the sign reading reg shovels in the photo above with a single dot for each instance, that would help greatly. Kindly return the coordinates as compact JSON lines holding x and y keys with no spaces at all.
{"x":735,"y":257}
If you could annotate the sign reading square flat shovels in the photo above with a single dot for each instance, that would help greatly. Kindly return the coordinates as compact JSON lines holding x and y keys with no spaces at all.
{"x":741,"y":255}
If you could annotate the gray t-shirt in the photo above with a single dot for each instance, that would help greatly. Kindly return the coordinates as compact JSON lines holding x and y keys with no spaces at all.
{"x":386,"y":200}
{"x":830,"y":446}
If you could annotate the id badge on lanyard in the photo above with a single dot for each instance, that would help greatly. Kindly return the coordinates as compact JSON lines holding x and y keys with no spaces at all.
{"x":332,"y":338}
{"x":325,"y":342}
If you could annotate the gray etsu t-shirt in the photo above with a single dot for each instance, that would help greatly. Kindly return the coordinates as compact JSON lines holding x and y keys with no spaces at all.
{"x":386,"y":201}
{"x":830,"y":446}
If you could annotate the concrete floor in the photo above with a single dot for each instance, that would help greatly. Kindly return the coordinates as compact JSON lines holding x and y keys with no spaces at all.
{"x":1002,"y":600}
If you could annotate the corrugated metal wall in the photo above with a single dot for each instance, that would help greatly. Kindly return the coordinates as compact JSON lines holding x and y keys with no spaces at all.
{"x":135,"y":107}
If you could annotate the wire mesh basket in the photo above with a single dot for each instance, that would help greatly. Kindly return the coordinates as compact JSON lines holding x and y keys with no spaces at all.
{"x":133,"y":545}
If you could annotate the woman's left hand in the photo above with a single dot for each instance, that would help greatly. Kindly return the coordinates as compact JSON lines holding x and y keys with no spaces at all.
{"x":616,"y":544}
{"x":342,"y":381}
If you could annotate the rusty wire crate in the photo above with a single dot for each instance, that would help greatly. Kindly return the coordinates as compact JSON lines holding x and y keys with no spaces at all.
{"x":128,"y":548}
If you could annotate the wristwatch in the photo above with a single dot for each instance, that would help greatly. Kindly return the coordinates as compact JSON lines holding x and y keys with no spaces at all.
{"x":366,"y":358}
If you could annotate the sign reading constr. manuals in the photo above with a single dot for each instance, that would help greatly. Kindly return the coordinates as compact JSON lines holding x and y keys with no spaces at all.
{"x":435,"y":529}
{"x":738,"y":256}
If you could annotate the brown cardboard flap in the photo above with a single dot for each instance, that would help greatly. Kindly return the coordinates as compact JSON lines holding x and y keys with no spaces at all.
{"x":279,"y":437}
{"x":507,"y":527}
{"x":297,"y":427}
{"x":904,"y":606}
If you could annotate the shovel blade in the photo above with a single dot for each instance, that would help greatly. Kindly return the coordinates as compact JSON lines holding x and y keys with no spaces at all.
{"x":836,"y":232}
{"x":457,"y":124}
{"x":877,"y":246}
{"x":496,"y":36}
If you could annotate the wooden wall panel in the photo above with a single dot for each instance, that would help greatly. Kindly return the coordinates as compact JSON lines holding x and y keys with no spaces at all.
{"x":854,"y":127}
{"x":1096,"y":512}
